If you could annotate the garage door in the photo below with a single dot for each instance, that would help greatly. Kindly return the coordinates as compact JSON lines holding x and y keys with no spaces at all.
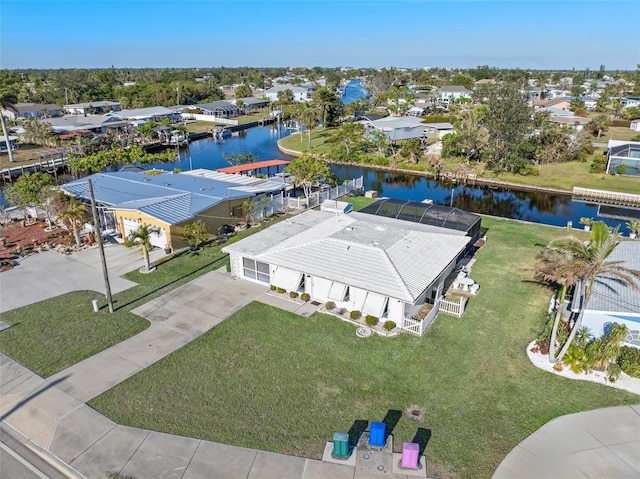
{"x":158,"y":240}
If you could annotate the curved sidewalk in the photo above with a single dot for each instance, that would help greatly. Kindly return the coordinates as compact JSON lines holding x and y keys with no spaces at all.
{"x":603,"y":443}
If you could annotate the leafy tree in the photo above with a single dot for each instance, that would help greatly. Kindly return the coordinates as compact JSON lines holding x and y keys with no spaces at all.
{"x":461,"y":80}
{"x":328,"y":105}
{"x":588,"y":261}
{"x":411,"y":150}
{"x":195,"y":233}
{"x":285,"y":97}
{"x":142,"y":238}
{"x":74,"y":217}
{"x":32,"y":190}
{"x":508,"y":122}
{"x":600,"y":123}
{"x":309,"y":172}
{"x":115,"y":157}
{"x":576,"y":104}
{"x":349,"y":136}
{"x":243,"y":91}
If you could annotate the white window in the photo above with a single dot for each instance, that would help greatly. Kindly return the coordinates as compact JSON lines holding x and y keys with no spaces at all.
{"x":255,"y":270}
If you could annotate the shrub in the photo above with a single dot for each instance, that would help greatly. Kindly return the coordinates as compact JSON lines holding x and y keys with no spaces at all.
{"x":369,"y":319}
{"x":272,"y":287}
{"x":613,"y":372}
{"x":281,"y":290}
{"x":630,"y":361}
{"x":293,"y":294}
{"x":329,"y":305}
{"x":389,"y":325}
{"x":355,"y":314}
{"x":228,"y":266}
{"x":305,"y":297}
{"x":622,"y":169}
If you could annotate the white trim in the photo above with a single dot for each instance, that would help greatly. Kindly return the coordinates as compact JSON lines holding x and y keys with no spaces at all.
{"x":286,"y":278}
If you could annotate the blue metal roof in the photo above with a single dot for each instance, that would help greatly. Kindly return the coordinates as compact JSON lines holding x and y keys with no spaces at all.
{"x":172,"y":198}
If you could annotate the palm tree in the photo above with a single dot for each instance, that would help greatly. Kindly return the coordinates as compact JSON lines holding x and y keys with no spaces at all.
{"x":308,"y":118}
{"x":73,"y":217}
{"x":142,"y":237}
{"x":5,"y":105}
{"x":556,"y":267}
{"x":590,"y":260}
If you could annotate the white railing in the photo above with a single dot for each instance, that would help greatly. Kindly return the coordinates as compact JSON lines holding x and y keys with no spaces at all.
{"x":418,"y":327}
{"x":319,"y":196}
{"x":455,"y":308}
{"x":209,"y":118}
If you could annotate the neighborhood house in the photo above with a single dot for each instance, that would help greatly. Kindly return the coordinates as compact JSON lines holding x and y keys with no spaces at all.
{"x":383,"y":267}
{"x":613,"y":302}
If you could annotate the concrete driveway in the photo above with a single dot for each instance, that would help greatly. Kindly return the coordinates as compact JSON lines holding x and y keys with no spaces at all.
{"x":48,"y":274}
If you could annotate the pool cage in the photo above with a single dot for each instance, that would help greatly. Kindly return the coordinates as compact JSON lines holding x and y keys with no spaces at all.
{"x":428,"y":214}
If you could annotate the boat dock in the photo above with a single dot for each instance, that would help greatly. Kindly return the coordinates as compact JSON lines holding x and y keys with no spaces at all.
{"x":615,"y":198}
{"x":47,"y":166}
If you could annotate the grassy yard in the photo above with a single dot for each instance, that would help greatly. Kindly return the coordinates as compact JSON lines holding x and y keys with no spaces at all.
{"x":52,"y":335}
{"x":359,"y":202}
{"x":271,"y":380}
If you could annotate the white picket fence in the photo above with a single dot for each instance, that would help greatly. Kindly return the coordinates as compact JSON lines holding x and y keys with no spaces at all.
{"x":418,"y":327}
{"x":319,"y":196}
{"x":455,"y":308}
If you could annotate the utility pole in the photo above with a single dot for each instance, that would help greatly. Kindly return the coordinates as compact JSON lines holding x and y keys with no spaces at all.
{"x":96,"y":224}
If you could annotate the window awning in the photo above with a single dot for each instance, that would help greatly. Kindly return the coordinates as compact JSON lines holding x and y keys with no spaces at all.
{"x":374,"y":304}
{"x":337,"y":291}
{"x":286,"y":278}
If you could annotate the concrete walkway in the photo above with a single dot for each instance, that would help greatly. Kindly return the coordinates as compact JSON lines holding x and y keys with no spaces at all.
{"x":51,"y":417}
{"x":603,"y":443}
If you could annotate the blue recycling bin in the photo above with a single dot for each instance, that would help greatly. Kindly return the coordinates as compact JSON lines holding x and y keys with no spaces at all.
{"x":376,"y":434}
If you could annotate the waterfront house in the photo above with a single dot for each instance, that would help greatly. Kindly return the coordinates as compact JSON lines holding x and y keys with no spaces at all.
{"x":383,"y":267}
{"x":143,"y":115}
{"x":437,"y":130}
{"x":301,"y":93}
{"x":220,"y":109}
{"x":623,"y":157}
{"x":613,"y":302}
{"x":252,"y":103}
{"x":92,"y":123}
{"x":407,"y":127}
{"x":92,"y":107}
{"x":31,"y":110}
{"x":169,"y":201}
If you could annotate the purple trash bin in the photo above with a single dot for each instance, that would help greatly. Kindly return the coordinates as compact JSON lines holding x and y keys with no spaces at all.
{"x":410,"y":455}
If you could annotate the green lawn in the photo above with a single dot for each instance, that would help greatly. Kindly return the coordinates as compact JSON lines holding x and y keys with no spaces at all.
{"x":359,"y":202}
{"x":271,"y":380}
{"x":52,"y":335}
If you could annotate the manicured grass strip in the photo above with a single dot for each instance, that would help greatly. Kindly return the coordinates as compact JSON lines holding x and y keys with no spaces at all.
{"x":269,"y":379}
{"x":52,"y":335}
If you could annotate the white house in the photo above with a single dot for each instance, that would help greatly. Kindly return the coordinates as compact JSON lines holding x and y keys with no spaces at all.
{"x":613,"y":302}
{"x":380,"y":266}
{"x":93,"y":123}
{"x":100,"y":106}
{"x":300,"y":92}
{"x":31,"y":110}
{"x":453,"y":93}
{"x":635,"y":125}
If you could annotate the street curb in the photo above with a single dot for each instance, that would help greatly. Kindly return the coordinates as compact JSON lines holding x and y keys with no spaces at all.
{"x":49,"y":458}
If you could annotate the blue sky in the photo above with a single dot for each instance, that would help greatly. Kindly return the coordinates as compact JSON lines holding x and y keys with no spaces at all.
{"x":537,"y":34}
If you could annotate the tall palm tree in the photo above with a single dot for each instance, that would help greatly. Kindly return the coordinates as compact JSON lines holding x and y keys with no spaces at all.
{"x":309,"y":118}
{"x":591,"y":259}
{"x":74,"y":217}
{"x":142,"y":237}
{"x":5,"y":105}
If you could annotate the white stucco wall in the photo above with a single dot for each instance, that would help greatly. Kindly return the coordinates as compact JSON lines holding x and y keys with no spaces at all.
{"x":597,"y":320}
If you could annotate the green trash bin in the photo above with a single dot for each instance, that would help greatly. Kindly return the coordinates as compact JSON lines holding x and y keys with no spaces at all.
{"x":341,"y":445}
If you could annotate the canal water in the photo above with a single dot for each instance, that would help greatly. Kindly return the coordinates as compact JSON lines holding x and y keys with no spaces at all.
{"x":354,"y":90}
{"x":536,"y":207}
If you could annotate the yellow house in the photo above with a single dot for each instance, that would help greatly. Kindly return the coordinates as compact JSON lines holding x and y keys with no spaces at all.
{"x":172,"y":200}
